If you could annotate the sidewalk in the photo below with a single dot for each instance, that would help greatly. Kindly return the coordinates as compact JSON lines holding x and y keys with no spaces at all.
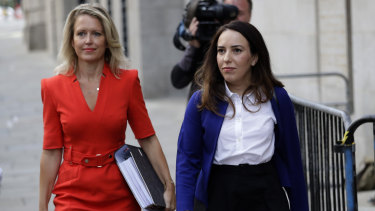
{"x":21,"y":128}
{"x":20,"y":118}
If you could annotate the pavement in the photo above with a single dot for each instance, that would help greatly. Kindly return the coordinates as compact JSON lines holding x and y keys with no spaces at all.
{"x":21,"y":128}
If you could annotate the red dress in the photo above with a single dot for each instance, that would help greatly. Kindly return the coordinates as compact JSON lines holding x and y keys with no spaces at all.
{"x":70,"y":124}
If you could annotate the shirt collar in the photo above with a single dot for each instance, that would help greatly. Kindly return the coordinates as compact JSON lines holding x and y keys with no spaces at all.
{"x":227,"y":90}
{"x":230,"y":94}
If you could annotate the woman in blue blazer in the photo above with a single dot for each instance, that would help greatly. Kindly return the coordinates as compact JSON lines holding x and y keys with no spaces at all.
{"x":238,"y":147}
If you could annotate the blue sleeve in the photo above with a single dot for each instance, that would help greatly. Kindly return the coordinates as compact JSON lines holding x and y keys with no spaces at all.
{"x":298,"y":191}
{"x":189,"y":155}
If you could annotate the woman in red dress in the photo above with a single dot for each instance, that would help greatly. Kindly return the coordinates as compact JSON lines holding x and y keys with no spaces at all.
{"x":86,"y":108}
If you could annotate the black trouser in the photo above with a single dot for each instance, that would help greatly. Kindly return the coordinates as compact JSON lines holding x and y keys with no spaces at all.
{"x":246,"y":188}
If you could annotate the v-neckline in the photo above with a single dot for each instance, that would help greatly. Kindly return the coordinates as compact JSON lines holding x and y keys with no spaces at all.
{"x":83,"y":99}
{"x":97,"y":97}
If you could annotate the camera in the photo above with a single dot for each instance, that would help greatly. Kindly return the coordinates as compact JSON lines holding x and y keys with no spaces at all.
{"x":210,"y":14}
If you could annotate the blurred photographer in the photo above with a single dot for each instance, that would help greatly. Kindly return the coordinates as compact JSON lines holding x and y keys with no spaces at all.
{"x":183,"y":72}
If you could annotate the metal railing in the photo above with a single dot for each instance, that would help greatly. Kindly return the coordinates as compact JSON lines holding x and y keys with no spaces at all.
{"x":349,"y":135}
{"x":348,"y":141}
{"x":326,"y":169}
{"x":348,"y":103}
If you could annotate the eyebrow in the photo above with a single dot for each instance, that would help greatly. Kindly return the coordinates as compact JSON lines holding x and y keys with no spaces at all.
{"x":233,"y":46}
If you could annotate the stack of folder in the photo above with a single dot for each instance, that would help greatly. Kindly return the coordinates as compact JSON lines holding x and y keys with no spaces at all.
{"x":140,"y":176}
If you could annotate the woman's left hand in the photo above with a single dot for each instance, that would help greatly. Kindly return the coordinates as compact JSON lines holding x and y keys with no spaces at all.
{"x":155,"y":154}
{"x":170,"y":197}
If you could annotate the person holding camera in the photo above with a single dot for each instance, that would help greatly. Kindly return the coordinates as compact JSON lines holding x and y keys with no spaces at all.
{"x":183,"y":72}
{"x":238,"y":147}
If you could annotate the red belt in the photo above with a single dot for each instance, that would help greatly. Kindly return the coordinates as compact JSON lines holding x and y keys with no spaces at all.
{"x":97,"y":160}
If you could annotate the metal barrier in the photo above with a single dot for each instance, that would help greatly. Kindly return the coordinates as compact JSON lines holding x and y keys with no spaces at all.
{"x":349,"y":134}
{"x":348,"y":141}
{"x":329,"y":173}
{"x":348,"y":103}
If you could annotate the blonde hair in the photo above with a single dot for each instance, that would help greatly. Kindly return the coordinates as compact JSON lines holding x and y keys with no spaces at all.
{"x":113,"y":55}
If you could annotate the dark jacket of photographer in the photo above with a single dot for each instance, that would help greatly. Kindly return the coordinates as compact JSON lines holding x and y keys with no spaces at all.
{"x":183,"y":72}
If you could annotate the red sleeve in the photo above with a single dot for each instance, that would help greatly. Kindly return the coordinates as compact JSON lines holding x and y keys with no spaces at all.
{"x":53,"y":137}
{"x":138,"y":117}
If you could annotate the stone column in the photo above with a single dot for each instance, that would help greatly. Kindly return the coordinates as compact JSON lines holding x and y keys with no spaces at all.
{"x":35,"y":25}
{"x":151,"y":26}
{"x":333,"y":49}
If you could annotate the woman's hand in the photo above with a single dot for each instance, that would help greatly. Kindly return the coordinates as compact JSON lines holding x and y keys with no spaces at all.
{"x":170,"y":196}
{"x":193,"y":28}
{"x":152,"y":148}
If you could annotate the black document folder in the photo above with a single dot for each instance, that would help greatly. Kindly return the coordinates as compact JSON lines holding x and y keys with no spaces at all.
{"x":140,"y":176}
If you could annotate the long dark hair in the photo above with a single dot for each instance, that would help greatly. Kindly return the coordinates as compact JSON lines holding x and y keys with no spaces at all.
{"x":262,"y":79}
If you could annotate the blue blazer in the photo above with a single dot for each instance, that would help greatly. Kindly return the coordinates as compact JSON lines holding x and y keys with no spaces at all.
{"x":197,"y":145}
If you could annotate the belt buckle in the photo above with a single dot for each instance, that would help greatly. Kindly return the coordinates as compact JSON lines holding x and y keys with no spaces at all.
{"x":99,"y":166}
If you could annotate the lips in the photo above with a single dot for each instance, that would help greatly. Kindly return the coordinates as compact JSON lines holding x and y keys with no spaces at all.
{"x":228,"y":69}
{"x":89,"y":49}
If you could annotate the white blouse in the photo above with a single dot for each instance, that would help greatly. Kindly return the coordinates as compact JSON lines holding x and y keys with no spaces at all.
{"x":248,"y":137}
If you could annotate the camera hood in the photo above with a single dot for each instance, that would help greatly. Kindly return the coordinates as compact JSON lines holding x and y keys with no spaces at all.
{"x":190,"y":10}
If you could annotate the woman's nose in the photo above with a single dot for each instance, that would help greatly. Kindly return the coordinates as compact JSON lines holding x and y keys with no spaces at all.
{"x":88,"y":38}
{"x":226,"y":57}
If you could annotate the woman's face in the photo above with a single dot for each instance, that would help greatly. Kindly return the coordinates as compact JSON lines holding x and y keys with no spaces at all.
{"x":234,"y":59}
{"x":89,"y":40}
